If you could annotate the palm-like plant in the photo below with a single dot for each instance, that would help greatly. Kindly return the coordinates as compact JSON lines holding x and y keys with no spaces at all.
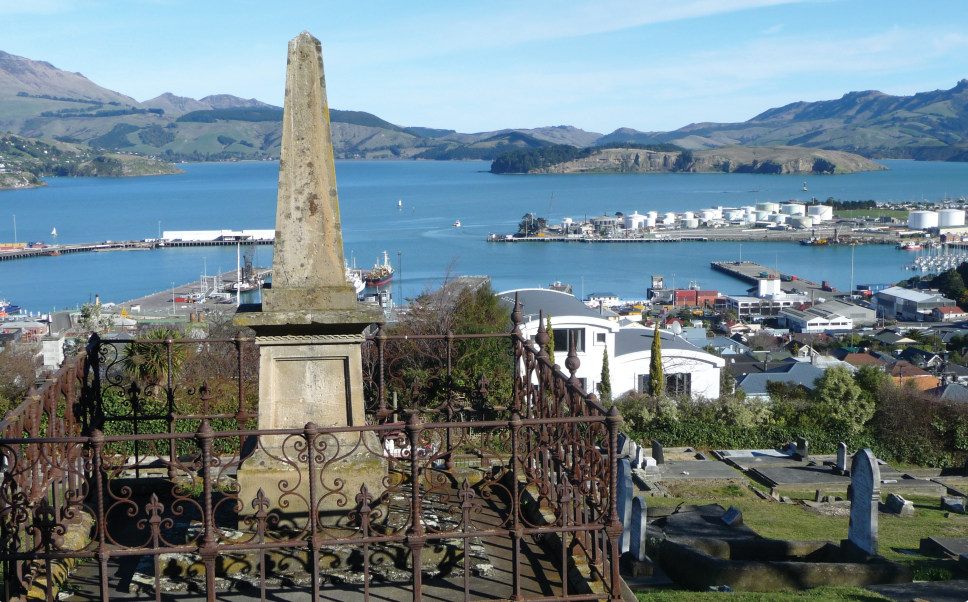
{"x":149,"y":362}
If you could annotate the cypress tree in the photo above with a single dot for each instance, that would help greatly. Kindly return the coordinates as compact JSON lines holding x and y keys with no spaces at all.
{"x":550,"y":345}
{"x":656,"y":379}
{"x":605,"y":387}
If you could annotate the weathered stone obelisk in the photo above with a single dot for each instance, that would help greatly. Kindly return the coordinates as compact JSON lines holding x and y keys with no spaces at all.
{"x":309,"y":329}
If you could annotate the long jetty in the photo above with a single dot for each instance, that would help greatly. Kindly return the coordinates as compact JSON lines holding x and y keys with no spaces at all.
{"x":590,"y":239}
{"x":127,"y":245}
{"x":747,"y":271}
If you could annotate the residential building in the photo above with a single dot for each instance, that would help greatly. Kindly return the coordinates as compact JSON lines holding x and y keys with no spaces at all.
{"x":907,"y":304}
{"x":951,"y":313}
{"x":920,"y":358}
{"x":687,"y":368}
{"x":799,"y":373}
{"x":906,"y":374}
{"x":862,"y":359}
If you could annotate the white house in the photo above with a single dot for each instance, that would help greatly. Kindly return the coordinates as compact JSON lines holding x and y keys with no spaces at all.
{"x":687,"y":368}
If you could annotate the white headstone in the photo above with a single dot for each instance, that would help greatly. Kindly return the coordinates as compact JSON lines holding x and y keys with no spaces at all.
{"x":842,"y":457}
{"x":639,"y":457}
{"x":640,"y":520}
{"x":626,"y":492}
{"x":649,"y":461}
{"x":865,"y":484}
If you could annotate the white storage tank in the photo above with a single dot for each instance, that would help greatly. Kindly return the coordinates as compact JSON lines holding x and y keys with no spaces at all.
{"x":653,"y":214}
{"x":768,"y":207}
{"x":691,"y":223}
{"x":688,"y":215}
{"x":801,"y":222}
{"x":951,"y":217}
{"x":922,"y":220}
{"x":634,"y":221}
{"x":734,"y":214}
{"x":749,"y":210}
{"x":815,"y":219}
{"x":669,"y":218}
{"x":567,"y":221}
{"x":824,"y":212}
{"x":650,"y":221}
{"x":777,"y":218}
{"x":708,"y":214}
{"x":793,"y":209}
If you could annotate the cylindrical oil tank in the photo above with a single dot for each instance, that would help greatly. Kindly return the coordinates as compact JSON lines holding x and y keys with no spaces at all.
{"x":761,"y":216}
{"x":688,"y":215}
{"x":749,"y":210}
{"x":733,"y":214}
{"x":768,"y":207}
{"x":793,"y":209}
{"x":653,"y":214}
{"x":922,"y":220}
{"x":669,"y":217}
{"x":815,"y":219}
{"x":708,"y":214}
{"x":567,"y":221}
{"x":777,"y":218}
{"x":801,"y":222}
{"x":650,"y":221}
{"x":634,"y":221}
{"x":690,"y":224}
{"x":824,"y":212}
{"x":951,"y":217}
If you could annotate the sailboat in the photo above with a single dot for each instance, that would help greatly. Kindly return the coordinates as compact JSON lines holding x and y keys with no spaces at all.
{"x":53,"y":232}
{"x":804,"y":187}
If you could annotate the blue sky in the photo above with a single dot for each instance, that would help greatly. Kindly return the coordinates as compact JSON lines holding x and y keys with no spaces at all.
{"x":479,"y":66}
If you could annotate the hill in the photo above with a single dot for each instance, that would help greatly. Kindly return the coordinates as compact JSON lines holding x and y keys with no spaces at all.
{"x":38,"y":100}
{"x":23,"y":161}
{"x":632,"y":158}
{"x":927,"y":126}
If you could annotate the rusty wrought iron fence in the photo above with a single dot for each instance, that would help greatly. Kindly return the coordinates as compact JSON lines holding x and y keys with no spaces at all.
{"x":456,"y":468}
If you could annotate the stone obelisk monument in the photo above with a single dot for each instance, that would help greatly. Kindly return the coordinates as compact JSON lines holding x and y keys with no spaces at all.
{"x":310,"y":327}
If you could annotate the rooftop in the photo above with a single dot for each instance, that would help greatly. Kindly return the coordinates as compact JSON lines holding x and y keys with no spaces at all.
{"x":910,"y":295}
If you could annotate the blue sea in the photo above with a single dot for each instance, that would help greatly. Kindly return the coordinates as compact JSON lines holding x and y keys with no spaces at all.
{"x":420,"y":239}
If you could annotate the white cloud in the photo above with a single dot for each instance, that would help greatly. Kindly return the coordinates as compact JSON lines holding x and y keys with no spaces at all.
{"x":772,"y":30}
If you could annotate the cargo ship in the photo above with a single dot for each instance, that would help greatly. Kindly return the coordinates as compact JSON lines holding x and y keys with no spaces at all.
{"x":7,"y":309}
{"x":380,"y":274}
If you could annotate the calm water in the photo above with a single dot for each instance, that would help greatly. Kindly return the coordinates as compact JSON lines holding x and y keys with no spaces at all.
{"x":434,"y":195}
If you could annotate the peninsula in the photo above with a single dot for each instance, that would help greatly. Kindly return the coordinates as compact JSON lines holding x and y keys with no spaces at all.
{"x":632,"y":158}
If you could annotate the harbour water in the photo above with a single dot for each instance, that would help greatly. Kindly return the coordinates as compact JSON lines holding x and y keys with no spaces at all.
{"x":420,"y":237}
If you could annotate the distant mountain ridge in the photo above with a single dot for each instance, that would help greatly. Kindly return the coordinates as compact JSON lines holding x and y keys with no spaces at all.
{"x":40,"y":100}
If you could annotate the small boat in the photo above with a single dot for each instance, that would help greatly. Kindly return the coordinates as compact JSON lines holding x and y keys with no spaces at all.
{"x":457,"y":224}
{"x":400,"y":204}
{"x":380,"y":274}
{"x":6,"y":308}
{"x":911,"y":246}
{"x":804,"y":187}
{"x":53,"y":232}
{"x":355,"y":278}
{"x":53,"y":253}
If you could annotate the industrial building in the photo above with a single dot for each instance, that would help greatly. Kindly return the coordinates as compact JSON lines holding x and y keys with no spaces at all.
{"x":907,"y":304}
{"x":814,"y":320}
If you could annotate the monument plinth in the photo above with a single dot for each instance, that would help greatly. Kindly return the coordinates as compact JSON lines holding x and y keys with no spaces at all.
{"x":310,"y":326}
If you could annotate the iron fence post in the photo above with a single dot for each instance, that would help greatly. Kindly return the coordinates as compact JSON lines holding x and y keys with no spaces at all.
{"x":517,"y":527}
{"x":208,"y":551}
{"x":615,"y":527}
{"x":416,"y":540}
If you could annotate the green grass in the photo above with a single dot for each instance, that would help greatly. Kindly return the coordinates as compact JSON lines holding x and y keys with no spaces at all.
{"x":822,"y":594}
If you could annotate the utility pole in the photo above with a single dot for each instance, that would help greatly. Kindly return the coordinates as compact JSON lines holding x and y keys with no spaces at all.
{"x":14,"y":228}
{"x":159,"y":229}
{"x":400,"y":276}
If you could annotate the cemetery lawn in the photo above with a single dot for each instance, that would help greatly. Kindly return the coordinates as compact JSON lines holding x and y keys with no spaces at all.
{"x":899,"y":538}
{"x":822,"y":594}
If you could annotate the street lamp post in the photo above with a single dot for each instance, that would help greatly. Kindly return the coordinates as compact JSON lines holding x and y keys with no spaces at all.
{"x":172,"y":298}
{"x":14,"y":228}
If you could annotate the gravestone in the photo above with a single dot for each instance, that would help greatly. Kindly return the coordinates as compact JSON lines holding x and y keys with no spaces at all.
{"x":965,"y":471}
{"x":639,"y":457}
{"x":640,"y":522}
{"x":900,"y":506}
{"x":953,"y":504}
{"x":657,"y":452}
{"x":309,"y":329}
{"x":626,"y":491}
{"x":732,"y":517}
{"x":802,"y":450}
{"x":841,"y":467}
{"x":865,"y":482}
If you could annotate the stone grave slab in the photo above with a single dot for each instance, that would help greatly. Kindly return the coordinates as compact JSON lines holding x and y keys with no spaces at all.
{"x":705,"y":521}
{"x":640,"y":522}
{"x":935,"y":591}
{"x":626,"y":490}
{"x":952,"y":547}
{"x":865,"y":479}
{"x":694,"y":470}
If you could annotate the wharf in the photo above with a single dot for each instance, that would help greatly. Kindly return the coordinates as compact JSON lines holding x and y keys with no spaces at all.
{"x":747,"y":271}
{"x":589,"y":239}
{"x":126,"y":245}
{"x":160,"y":304}
{"x":731,"y":234}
